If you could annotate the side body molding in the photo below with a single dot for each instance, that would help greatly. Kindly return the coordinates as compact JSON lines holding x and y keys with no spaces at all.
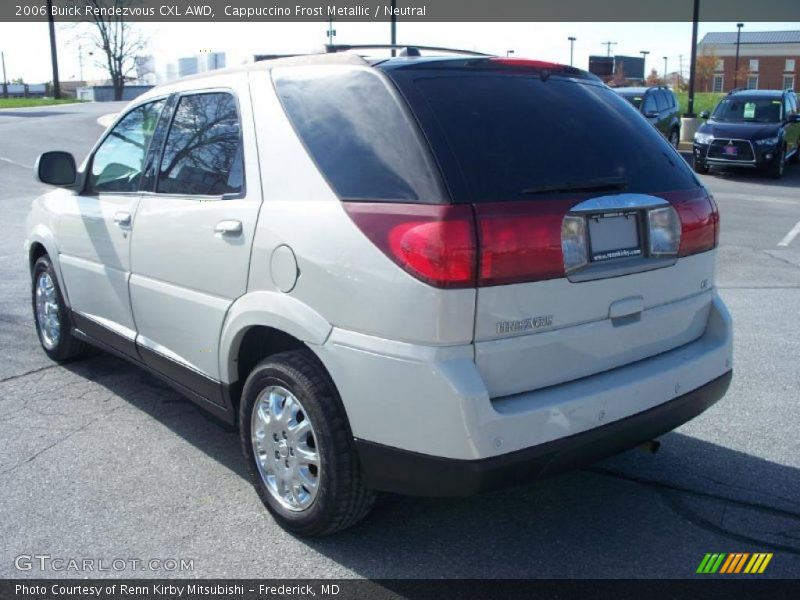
{"x":267,"y":309}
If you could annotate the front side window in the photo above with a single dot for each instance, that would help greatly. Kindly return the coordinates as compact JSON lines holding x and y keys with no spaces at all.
{"x":203,"y":153}
{"x":118,"y":162}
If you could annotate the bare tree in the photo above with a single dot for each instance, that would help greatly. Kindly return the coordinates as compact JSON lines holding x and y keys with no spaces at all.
{"x":117,"y":40}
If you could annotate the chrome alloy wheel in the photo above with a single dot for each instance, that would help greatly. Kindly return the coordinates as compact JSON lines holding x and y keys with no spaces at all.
{"x":47,"y":310}
{"x":285,"y":448}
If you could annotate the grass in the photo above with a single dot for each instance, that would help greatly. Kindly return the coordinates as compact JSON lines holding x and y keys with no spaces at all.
{"x":702,"y":101}
{"x":25,"y":102}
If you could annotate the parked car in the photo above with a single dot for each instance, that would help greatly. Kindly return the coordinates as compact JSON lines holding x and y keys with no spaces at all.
{"x":750,"y":128}
{"x":392,"y":274}
{"x":659,"y":106}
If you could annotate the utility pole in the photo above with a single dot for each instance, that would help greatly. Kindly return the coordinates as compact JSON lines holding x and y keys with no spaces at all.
{"x":736,"y":62}
{"x":665,"y":70}
{"x":571,"y":47}
{"x":608,"y":47}
{"x":680,"y":62}
{"x":3,"y":60}
{"x":692,"y":66}
{"x":394,"y":28}
{"x":53,"y":50}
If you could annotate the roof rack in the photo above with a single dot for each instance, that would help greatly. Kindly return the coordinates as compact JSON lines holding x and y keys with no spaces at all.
{"x":734,"y":90}
{"x":405,"y":50}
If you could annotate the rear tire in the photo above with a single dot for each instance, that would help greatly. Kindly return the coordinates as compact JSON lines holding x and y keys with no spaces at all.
{"x":51,"y":315}
{"x":299,"y":448}
{"x":776,"y":170}
{"x":675,"y":138}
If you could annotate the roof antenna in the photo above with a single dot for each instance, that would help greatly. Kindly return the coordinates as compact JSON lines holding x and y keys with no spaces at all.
{"x":410,"y":51}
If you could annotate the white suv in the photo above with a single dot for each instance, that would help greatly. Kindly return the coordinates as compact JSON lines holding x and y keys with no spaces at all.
{"x":425,"y":275}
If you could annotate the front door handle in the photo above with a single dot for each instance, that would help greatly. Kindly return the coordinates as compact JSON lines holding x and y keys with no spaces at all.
{"x":229,"y":227}
{"x":123,"y":219}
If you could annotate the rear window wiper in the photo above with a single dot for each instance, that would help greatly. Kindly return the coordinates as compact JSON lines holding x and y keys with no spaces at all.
{"x":601,"y":184}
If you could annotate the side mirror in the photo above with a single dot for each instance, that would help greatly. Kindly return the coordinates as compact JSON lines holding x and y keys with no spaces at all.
{"x":56,"y":168}
{"x":795,"y":118}
{"x":705,"y":114}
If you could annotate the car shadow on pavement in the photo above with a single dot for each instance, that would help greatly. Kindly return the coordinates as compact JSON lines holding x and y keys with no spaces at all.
{"x":633,"y":515}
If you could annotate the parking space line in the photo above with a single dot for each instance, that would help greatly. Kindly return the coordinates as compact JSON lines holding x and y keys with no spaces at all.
{"x":790,"y":236}
{"x":13,"y":162}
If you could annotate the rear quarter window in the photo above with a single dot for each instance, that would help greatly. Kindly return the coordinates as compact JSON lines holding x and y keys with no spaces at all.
{"x":359,"y":133}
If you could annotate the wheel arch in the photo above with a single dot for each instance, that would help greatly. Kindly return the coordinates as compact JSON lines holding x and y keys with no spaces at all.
{"x":263,"y":323}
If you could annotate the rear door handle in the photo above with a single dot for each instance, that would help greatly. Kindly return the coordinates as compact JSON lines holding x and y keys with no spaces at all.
{"x":123,"y":219}
{"x":229,"y":227}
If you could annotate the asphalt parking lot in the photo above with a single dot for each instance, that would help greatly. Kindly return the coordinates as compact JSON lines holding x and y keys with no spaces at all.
{"x":99,"y":460}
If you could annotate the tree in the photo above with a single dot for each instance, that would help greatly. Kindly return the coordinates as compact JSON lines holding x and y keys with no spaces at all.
{"x":118,"y":42}
{"x":742,"y":74}
{"x":705,"y":66}
{"x":619,"y":76}
{"x":654,"y":79}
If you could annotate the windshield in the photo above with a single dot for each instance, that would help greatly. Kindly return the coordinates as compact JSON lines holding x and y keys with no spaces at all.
{"x":749,"y":110}
{"x":501,"y":137}
{"x":635,"y":99}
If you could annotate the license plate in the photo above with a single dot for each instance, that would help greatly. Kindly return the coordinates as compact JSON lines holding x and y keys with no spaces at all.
{"x":614,"y":235}
{"x":730,"y":150}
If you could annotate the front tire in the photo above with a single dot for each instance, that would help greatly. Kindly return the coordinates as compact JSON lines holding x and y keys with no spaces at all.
{"x":675,"y":138}
{"x":51,"y":315}
{"x":299,"y":447}
{"x":700,"y":167}
{"x":778,"y":167}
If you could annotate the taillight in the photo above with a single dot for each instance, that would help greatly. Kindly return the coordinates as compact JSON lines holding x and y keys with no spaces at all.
{"x":699,"y":223}
{"x":434,"y":243}
{"x":520,"y":241}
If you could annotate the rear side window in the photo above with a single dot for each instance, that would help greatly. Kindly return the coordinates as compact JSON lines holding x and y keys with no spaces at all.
{"x":359,"y":133}
{"x":203,"y":152}
{"x":650,"y":104}
{"x":513,"y":136}
{"x":662,"y":101}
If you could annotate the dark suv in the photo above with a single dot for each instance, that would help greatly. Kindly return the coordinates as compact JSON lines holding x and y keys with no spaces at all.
{"x":659,"y":106}
{"x":750,"y":128}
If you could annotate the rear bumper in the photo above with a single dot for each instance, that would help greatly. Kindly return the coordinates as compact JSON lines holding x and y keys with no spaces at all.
{"x":402,"y":471}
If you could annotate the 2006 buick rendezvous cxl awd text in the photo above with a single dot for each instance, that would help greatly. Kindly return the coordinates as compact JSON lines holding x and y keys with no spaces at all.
{"x":425,"y":275}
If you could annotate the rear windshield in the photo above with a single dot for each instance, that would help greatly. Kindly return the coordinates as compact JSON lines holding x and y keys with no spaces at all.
{"x":506,"y":136}
{"x":360,"y":134}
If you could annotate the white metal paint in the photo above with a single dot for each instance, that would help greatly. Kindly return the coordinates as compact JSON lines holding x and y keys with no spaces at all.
{"x":186,"y":275}
{"x":432,"y":400}
{"x":95,"y":254}
{"x":343,"y":276}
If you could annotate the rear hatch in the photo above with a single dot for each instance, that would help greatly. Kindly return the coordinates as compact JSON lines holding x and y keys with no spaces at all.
{"x":593,"y":236}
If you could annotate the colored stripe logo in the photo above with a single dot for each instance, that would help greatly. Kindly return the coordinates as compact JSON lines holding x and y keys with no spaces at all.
{"x":737,"y":562}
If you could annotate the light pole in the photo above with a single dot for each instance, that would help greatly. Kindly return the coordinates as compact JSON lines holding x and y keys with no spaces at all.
{"x":736,"y":61}
{"x":394,"y":27}
{"x":3,"y":60}
{"x":509,"y":52}
{"x":571,"y":47}
{"x":665,"y":70}
{"x":644,"y":54}
{"x":693,"y":59}
{"x":331,"y":32}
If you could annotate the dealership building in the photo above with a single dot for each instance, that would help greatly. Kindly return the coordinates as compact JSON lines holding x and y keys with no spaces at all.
{"x":771,"y":60}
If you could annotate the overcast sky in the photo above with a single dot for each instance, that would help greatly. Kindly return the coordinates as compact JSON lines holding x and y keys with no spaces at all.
{"x":27,"y":54}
